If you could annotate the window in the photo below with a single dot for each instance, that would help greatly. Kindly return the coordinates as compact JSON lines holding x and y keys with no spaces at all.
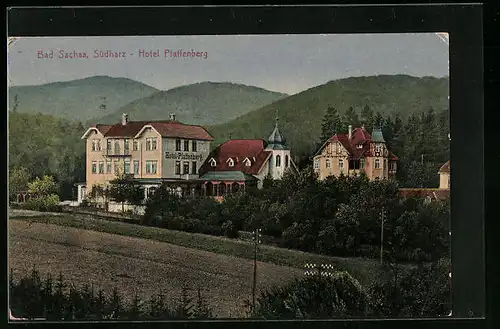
{"x":328,"y":163}
{"x":108,"y":166}
{"x":126,"y":167}
{"x":117,"y":147}
{"x":392,"y":166}
{"x":151,"y":166}
{"x":359,"y":146}
{"x":362,"y":164}
{"x":341,"y":164}
{"x":136,"y":166}
{"x":278,"y":161}
{"x":93,"y":145}
{"x":117,"y":167}
{"x":230,"y":162}
{"x":177,"y":144}
{"x":98,"y":145}
{"x":186,"y":145}
{"x":108,"y":145}
{"x":377,"y":163}
{"x":286,"y":161}
{"x":213,"y":163}
{"x":94,"y":167}
{"x":248,"y":163}
{"x":385,"y":163}
{"x":126,"y":146}
{"x":316,"y":164}
{"x":193,"y":168}
{"x":185,"y":168}
{"x":151,"y":144}
{"x":101,"y":167}
{"x":194,"y":146}
{"x":177,"y":167}
{"x":136,"y":145}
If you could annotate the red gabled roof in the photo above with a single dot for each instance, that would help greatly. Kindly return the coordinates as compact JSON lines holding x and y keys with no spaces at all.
{"x":238,"y":150}
{"x":177,"y":129}
{"x":128,"y":130}
{"x":165,"y":128}
{"x":433,"y":193}
{"x":103,"y":128}
{"x":445,"y":168}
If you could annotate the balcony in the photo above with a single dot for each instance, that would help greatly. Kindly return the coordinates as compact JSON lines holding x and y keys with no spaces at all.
{"x":112,"y":154}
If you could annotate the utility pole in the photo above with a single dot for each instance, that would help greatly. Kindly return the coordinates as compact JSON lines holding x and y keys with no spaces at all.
{"x":382,"y":215}
{"x":256,"y":240}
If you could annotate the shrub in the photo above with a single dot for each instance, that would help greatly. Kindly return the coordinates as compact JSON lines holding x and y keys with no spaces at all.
{"x":48,"y":203}
{"x":417,"y":291}
{"x":230,"y":229}
{"x":336,"y":296}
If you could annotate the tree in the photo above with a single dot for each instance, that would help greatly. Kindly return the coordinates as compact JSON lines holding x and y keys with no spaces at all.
{"x":268,"y":181}
{"x":378,"y":120}
{"x":16,"y":103}
{"x":330,"y":126}
{"x":350,"y":118}
{"x":44,"y":194}
{"x":43,"y":187}
{"x":19,"y":178}
{"x":124,"y":189}
{"x":367,"y":117}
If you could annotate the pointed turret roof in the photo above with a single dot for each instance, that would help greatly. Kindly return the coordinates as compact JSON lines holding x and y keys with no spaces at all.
{"x":377,"y":135}
{"x":276,"y":140}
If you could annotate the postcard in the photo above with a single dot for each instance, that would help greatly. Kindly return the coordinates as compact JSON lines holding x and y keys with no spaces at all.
{"x":229,"y":177}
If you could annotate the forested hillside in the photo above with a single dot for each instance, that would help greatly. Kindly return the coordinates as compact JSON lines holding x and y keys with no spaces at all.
{"x":200,"y":103}
{"x":301,"y":114}
{"x":78,"y":100}
{"x":46,"y":145}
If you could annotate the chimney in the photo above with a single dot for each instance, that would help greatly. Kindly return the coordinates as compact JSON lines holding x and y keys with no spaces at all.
{"x":350,"y":131}
{"x":172,"y":116}
{"x":124,"y":119}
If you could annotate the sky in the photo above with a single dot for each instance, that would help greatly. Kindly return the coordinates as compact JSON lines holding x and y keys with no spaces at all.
{"x":283,"y":63}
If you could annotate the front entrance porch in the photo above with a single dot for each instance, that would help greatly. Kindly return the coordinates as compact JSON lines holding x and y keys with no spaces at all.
{"x":220,"y":183}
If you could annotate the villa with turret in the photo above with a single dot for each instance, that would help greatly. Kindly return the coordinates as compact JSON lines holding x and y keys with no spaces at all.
{"x":354,"y":153}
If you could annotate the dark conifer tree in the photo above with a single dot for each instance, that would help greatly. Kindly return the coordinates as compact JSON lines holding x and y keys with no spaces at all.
{"x":330,"y":126}
{"x":366,"y":117}
{"x":350,"y":117}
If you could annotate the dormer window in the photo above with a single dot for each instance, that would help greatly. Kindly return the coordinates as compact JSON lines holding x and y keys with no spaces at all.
{"x":230,"y":162}
{"x":212,"y":162}
{"x":359,"y":146}
{"x":247,"y":162}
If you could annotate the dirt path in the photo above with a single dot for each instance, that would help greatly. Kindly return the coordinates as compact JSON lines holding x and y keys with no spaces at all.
{"x":138,"y":265}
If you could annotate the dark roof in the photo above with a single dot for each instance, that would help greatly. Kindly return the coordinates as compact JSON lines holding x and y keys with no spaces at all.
{"x":276,"y":140}
{"x":238,"y":150}
{"x":377,"y":135}
{"x":166,"y":128}
{"x":359,"y":144}
{"x":445,"y":168}
{"x":433,"y":193}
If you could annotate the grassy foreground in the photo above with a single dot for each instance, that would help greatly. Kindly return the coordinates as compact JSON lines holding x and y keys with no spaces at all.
{"x":362,"y":269}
